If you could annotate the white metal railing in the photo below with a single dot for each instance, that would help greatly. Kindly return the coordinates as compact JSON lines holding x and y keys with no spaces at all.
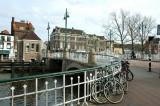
{"x":66,"y":98}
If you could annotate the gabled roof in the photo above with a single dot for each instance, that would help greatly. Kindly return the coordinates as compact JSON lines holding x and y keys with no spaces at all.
{"x":5,"y":32}
{"x":31,"y":36}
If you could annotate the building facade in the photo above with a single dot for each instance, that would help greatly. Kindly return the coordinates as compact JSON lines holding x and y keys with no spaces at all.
{"x":30,"y":47}
{"x":77,"y":40}
{"x":19,"y":30}
{"x":6,"y":46}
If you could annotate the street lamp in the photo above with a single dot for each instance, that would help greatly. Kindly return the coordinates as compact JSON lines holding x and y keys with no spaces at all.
{"x":66,"y":15}
{"x":48,"y":40}
{"x":142,"y":35}
{"x":110,"y":38}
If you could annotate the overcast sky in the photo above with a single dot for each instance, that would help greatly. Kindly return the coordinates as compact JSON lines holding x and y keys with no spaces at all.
{"x":87,"y":15}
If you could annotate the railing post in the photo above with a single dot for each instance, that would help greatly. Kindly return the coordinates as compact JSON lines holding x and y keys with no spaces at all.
{"x":55,"y":92}
{"x":78,"y":90}
{"x":25,"y":86}
{"x":36,"y":91}
{"x":90,"y":84}
{"x":85,"y":101}
{"x":64,"y":90}
{"x":46,"y":93}
{"x":71,"y":91}
{"x":12,"y":88}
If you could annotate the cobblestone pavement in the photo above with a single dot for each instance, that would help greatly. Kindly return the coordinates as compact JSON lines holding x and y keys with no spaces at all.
{"x":144,"y":89}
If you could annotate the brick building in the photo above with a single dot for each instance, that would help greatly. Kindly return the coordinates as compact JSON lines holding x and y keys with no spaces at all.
{"x":19,"y":29}
{"x":30,"y":47}
{"x":27,"y":44}
{"x":77,"y":40}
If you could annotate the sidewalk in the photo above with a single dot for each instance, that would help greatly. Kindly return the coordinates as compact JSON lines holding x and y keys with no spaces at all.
{"x":155,"y":66}
{"x":144,"y":89}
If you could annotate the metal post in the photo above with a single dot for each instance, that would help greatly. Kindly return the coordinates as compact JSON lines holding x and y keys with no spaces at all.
{"x":48,"y":40}
{"x":110,"y":40}
{"x":149,"y":56}
{"x":142,"y":38}
{"x":66,"y":15}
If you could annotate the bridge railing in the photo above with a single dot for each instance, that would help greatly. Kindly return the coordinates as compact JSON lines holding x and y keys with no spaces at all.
{"x":79,"y":56}
{"x":61,"y":88}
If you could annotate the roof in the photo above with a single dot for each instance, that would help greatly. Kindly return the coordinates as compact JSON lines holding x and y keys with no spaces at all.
{"x":26,"y":26}
{"x":5,"y":32}
{"x":101,"y":37}
{"x":31,"y":36}
{"x":72,"y":31}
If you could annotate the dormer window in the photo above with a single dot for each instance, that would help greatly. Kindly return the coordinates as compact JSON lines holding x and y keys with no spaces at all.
{"x":21,"y":28}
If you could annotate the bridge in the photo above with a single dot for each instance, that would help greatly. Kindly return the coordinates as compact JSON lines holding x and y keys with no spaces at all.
{"x":81,"y":60}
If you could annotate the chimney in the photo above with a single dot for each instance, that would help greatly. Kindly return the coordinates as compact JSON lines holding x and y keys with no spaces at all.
{"x":12,"y":26}
{"x":13,"y":19}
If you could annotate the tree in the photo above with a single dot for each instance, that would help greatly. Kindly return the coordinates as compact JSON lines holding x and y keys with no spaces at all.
{"x":146,"y":26}
{"x":118,"y":26}
{"x":132,"y":26}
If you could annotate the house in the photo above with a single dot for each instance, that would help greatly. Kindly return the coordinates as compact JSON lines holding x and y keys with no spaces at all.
{"x":29,"y":47}
{"x":6,"y":46}
{"x":19,"y":30}
{"x":27,"y":44}
{"x":117,"y":49}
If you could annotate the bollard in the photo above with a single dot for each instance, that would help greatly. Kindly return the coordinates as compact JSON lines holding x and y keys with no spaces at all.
{"x":30,"y":67}
{"x":43,"y":67}
{"x":12,"y":69}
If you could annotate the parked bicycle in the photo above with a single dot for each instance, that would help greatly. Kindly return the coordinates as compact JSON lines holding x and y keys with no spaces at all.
{"x":107,"y":88}
{"x":125,"y":67}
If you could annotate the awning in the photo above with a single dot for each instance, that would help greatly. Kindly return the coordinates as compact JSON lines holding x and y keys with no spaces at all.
{"x":4,"y":51}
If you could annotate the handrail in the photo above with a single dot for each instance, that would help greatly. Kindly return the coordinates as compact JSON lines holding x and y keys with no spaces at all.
{"x":47,"y":75}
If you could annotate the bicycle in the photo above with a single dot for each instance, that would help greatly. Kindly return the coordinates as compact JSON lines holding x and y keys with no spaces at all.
{"x":97,"y":91}
{"x":129,"y":74}
{"x":106,"y":89}
{"x":113,"y":89}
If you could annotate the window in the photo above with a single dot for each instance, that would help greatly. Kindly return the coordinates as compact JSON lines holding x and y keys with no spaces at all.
{"x":69,"y":47}
{"x":8,"y":45}
{"x":68,"y":38}
{"x":2,"y":46}
{"x":2,"y":38}
{"x":8,"y":38}
{"x":32,"y":46}
{"x":27,"y":48}
{"x":61,"y":37}
{"x":21,"y":28}
{"x":61,"y":45}
{"x":37,"y":48}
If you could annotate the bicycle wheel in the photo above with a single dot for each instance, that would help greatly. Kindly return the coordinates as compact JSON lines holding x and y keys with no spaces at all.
{"x":129,"y":75}
{"x":98,"y":92}
{"x":113,"y":91}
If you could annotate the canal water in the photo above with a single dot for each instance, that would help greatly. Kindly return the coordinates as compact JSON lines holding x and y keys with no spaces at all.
{"x":30,"y":100}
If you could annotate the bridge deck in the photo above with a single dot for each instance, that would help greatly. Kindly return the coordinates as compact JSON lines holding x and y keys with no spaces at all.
{"x":144,"y":90}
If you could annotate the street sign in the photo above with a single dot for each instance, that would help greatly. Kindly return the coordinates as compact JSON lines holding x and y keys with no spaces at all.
{"x":158,"y":32}
{"x":158,"y":29}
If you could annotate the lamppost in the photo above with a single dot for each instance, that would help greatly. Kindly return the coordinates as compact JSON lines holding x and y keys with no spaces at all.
{"x":66,"y":15}
{"x":48,"y":40}
{"x":142,"y":36}
{"x":150,"y":38}
{"x":110,"y":39}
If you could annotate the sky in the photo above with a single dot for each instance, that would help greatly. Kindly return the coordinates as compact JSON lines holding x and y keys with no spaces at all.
{"x":87,"y":15}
